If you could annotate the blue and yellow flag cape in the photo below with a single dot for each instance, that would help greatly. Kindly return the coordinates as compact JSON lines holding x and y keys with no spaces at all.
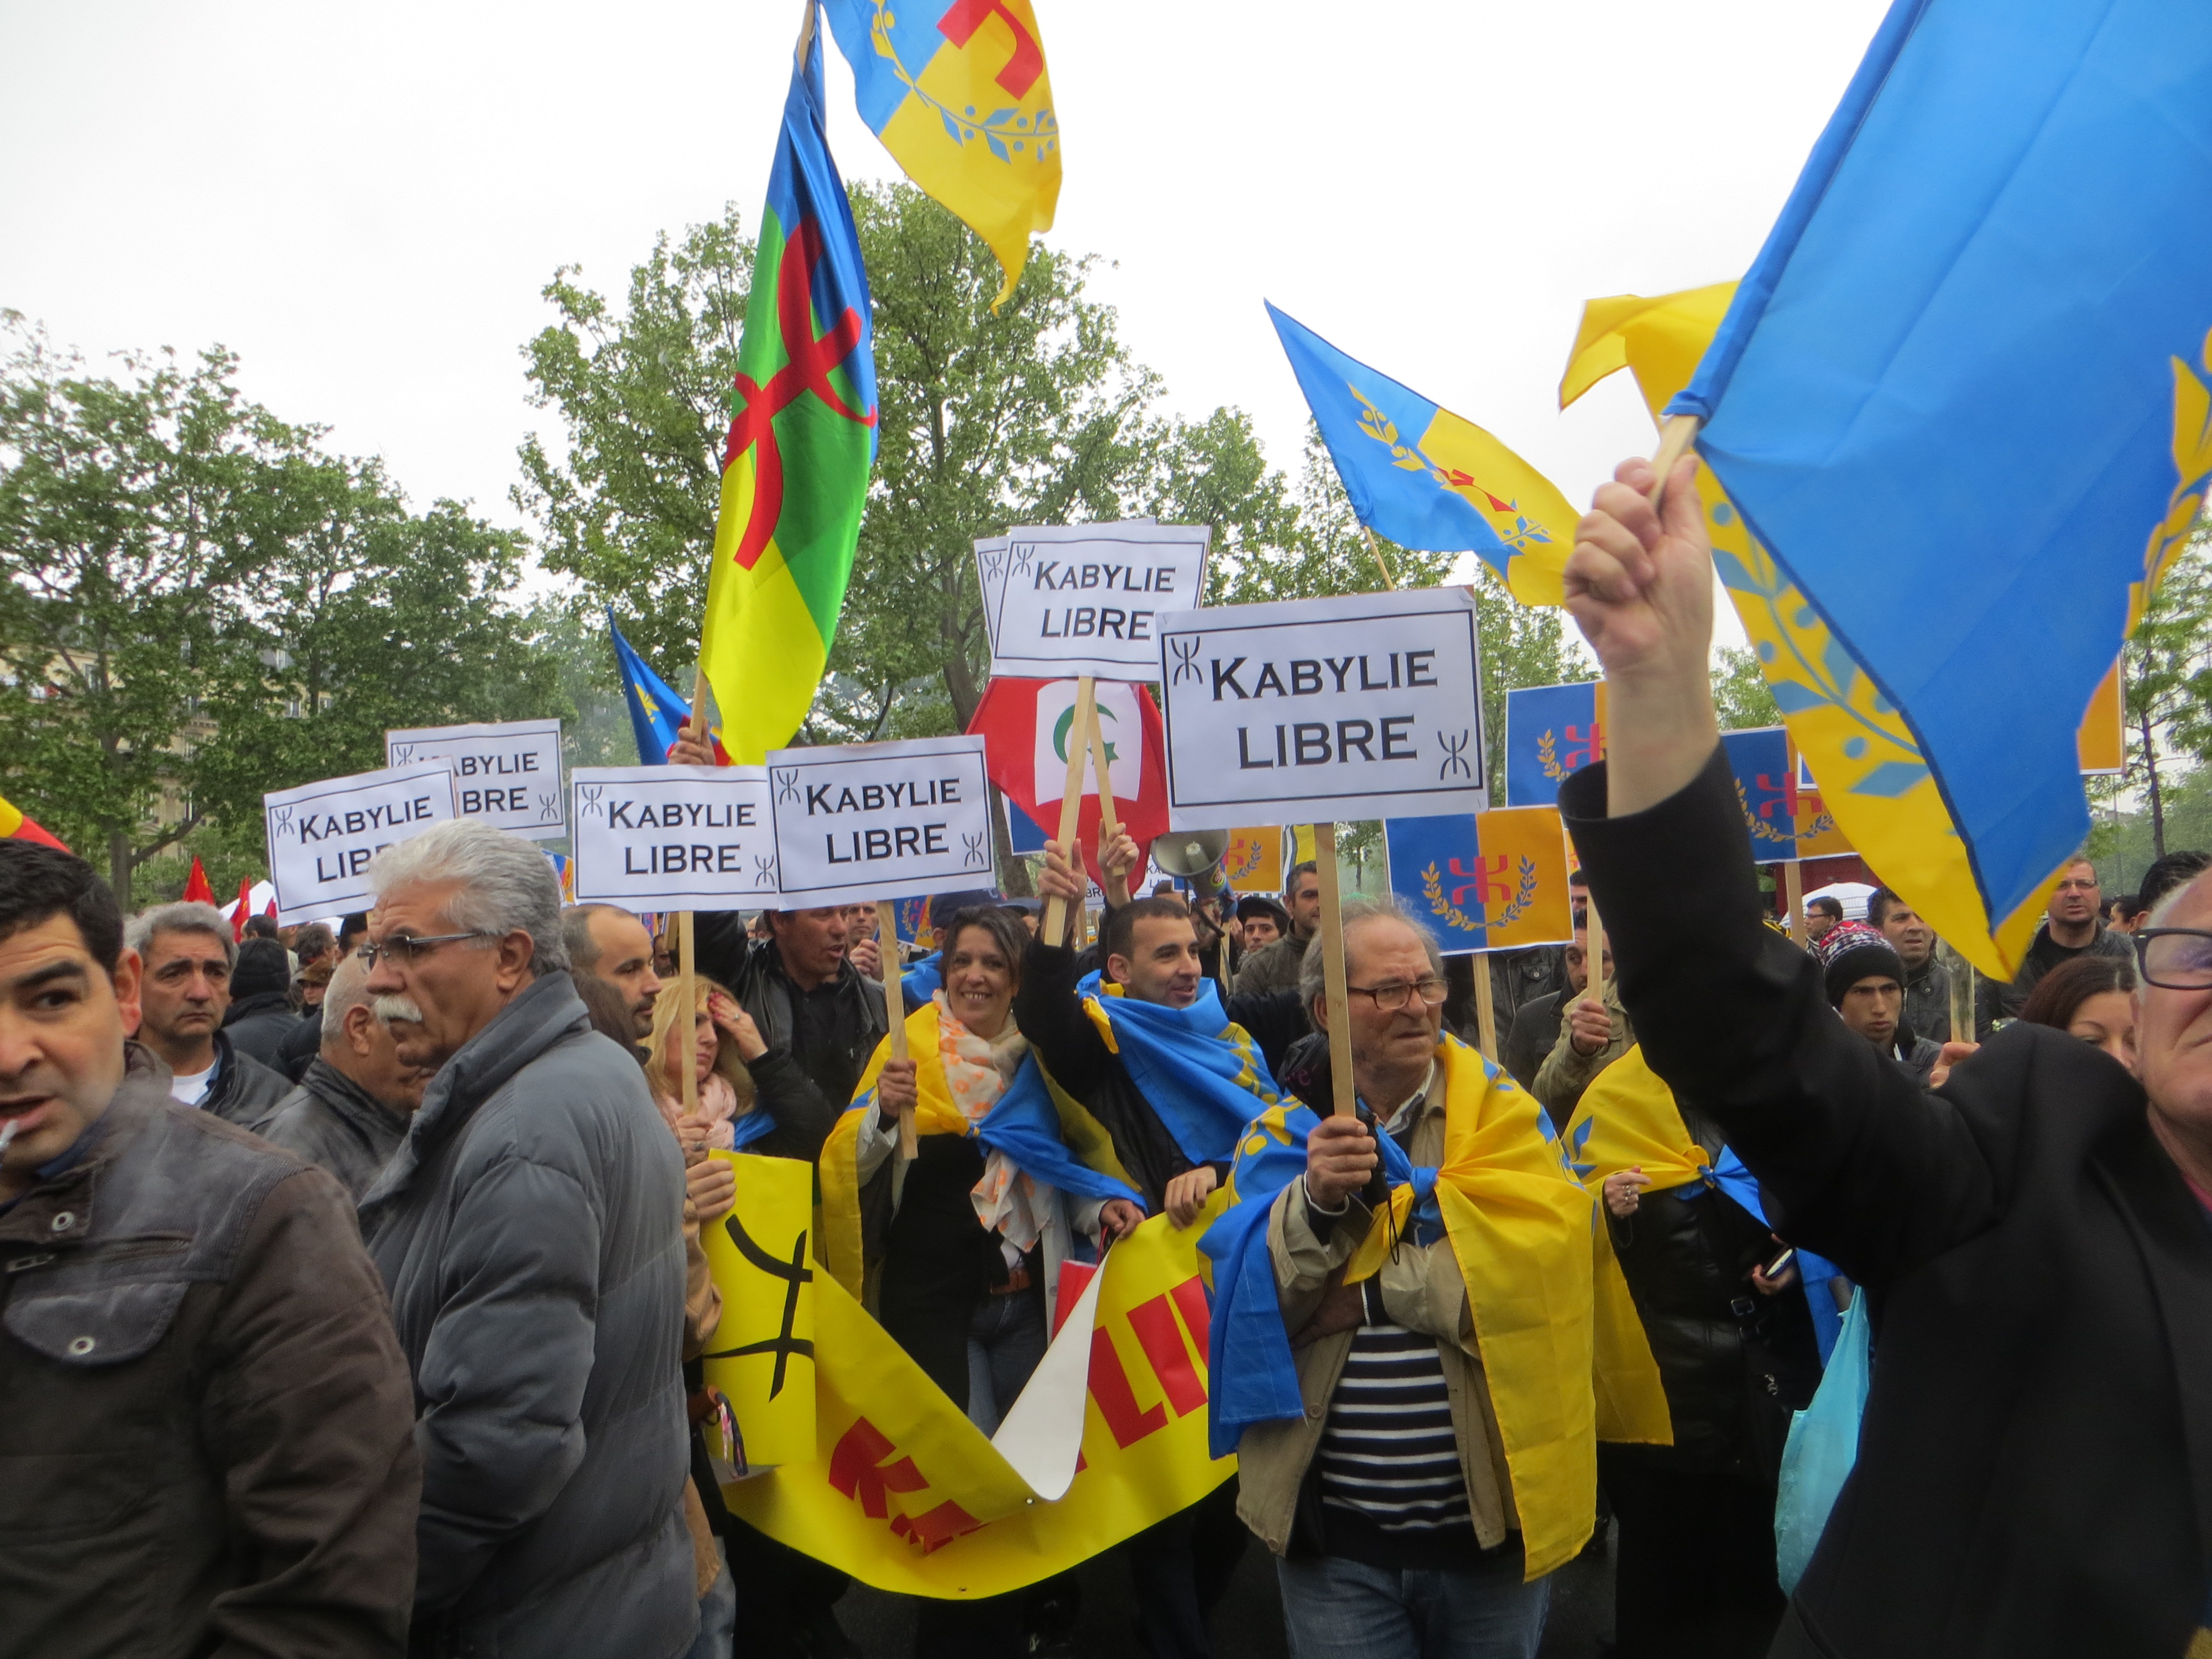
{"x":1961,"y":400}
{"x":1047,"y":1135}
{"x":655,"y":710}
{"x":1426,"y":479}
{"x":1201,"y":1073}
{"x":1628,"y":1119}
{"x":1560,"y":1372}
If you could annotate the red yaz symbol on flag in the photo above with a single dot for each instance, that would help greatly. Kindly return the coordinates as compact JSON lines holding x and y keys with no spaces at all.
{"x":813,"y":356}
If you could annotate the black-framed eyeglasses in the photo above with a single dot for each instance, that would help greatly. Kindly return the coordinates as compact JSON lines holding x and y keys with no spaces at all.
{"x":405,"y":950}
{"x":2178,"y":958}
{"x":1397,"y":992}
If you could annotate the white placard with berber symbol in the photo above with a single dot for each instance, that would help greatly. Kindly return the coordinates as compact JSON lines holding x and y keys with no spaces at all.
{"x":323,"y":835}
{"x":508,"y":774}
{"x":1308,"y":711}
{"x":673,"y":837}
{"x":1086,"y":599}
{"x":865,"y":821}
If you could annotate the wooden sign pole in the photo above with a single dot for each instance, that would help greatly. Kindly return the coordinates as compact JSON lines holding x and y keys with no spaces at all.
{"x":1793,"y":891}
{"x":1330,"y":943}
{"x":1486,"y":1007}
{"x":1109,"y":820}
{"x":1593,"y":954}
{"x":1375,"y":548}
{"x":687,"y":994}
{"x":894,"y":1006}
{"x":1070,"y":808}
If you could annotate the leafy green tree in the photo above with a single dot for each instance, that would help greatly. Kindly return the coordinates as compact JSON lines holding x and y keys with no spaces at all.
{"x":128,"y":527}
{"x":2167,"y":677}
{"x":1741,"y":692}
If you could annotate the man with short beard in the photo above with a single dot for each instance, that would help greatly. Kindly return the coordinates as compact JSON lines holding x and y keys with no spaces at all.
{"x":1927,"y":981}
{"x":608,"y":941}
{"x":350,"y":1112}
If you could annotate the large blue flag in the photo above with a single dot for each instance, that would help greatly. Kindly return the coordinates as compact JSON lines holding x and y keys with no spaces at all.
{"x":1959,"y":395}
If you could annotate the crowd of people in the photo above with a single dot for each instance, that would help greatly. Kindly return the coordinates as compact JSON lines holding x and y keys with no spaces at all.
{"x":353,"y":1295}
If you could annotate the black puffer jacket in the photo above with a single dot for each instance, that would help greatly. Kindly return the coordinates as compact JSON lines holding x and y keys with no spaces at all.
{"x":256,"y":1025}
{"x":1735,"y":1363}
{"x":826,"y":1034}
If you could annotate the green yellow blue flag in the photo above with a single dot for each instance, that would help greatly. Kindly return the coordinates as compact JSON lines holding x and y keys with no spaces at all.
{"x":1427,"y":479}
{"x":802,"y":438}
{"x":959,"y":93}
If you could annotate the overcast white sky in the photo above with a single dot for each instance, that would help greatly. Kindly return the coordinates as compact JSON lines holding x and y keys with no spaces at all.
{"x":364,"y":203}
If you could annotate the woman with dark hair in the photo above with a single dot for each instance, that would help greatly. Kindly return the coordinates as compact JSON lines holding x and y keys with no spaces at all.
{"x":2091,"y":997}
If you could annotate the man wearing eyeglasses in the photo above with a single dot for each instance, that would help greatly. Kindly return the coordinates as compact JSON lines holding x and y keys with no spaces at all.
{"x":530,"y":1231}
{"x":2073,"y":927}
{"x":2035,"y":1237}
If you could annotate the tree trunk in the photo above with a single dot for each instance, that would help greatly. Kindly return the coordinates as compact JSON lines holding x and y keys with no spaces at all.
{"x":1014,"y":872}
{"x":2157,"y":804}
{"x":960,"y":685}
{"x":118,"y":867}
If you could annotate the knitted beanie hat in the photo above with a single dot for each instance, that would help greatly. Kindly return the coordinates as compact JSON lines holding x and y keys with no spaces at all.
{"x":1850,"y":952}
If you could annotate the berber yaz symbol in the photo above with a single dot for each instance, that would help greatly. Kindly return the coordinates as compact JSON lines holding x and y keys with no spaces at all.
{"x":1454,"y":757}
{"x":767,"y":875}
{"x":588,"y":804}
{"x":280,"y":820}
{"x":1186,"y":652}
{"x":786,"y":785}
{"x":402,"y":753}
{"x":549,"y":807}
{"x":974,"y":844}
{"x":794,"y":1274}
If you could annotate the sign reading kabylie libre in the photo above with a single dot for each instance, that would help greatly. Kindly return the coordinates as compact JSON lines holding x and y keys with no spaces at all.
{"x":879,"y":820}
{"x":322,"y":835}
{"x":1315,"y":710}
{"x":508,"y":774}
{"x":673,"y":837}
{"x":1086,"y":599}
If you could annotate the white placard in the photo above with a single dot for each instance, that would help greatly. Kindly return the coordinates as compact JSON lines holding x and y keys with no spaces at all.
{"x":508,"y":774}
{"x":1312,"y":710}
{"x":673,"y":837}
{"x":866,"y":821}
{"x":1086,"y":599}
{"x":322,"y":835}
{"x":991,"y":575}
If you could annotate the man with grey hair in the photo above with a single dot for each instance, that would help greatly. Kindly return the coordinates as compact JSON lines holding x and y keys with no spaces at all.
{"x":1390,"y":1500}
{"x":188,"y":953}
{"x":530,"y":1230}
{"x":350,"y":1111}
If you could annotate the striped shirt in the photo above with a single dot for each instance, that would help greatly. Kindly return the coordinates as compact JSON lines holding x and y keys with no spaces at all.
{"x":1388,"y":1454}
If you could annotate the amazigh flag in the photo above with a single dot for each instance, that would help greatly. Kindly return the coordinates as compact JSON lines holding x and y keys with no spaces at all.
{"x":1425,"y":478}
{"x":957,"y":89}
{"x":802,"y":438}
{"x":1970,"y":367}
{"x":16,"y":826}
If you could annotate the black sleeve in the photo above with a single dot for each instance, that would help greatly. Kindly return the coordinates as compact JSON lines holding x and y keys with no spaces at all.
{"x":721,"y":947}
{"x":1857,"y":1162}
{"x":1520,"y":1053}
{"x":1050,"y":1015}
{"x":1275,"y":1020}
{"x":804,"y":1115}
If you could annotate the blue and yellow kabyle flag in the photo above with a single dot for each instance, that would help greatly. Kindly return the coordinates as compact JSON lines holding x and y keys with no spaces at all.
{"x":1961,"y":400}
{"x":655,"y":709}
{"x":1426,"y":479}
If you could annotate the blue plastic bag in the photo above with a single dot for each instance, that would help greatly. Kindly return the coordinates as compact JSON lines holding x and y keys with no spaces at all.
{"x":1823,"y":1444}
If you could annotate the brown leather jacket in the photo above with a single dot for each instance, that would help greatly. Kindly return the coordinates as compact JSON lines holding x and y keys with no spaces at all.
{"x":206,"y":1425}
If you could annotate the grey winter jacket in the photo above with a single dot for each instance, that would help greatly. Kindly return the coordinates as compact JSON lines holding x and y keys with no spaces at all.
{"x":244,"y":1091}
{"x":336,"y":1124}
{"x":530,"y":1229}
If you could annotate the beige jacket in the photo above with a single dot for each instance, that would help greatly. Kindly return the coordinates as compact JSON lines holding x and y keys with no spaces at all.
{"x":1566,"y":1072}
{"x":1422,"y":1291}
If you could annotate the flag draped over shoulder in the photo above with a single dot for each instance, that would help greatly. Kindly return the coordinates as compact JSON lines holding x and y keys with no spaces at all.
{"x":1628,"y":1118}
{"x":802,"y":438}
{"x":16,"y":824}
{"x":1519,"y":1230}
{"x":1961,"y":397}
{"x":957,"y":91}
{"x":1426,"y":479}
{"x":1201,"y":1073}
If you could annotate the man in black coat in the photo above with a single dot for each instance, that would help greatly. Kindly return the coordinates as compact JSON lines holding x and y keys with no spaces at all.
{"x":2035,"y":1474}
{"x":261,"y":1010}
{"x":351,"y":1110}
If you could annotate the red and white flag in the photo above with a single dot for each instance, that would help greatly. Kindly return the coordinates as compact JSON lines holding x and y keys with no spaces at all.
{"x":1027,"y":726}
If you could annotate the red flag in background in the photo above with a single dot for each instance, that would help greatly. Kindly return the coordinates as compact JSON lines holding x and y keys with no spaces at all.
{"x":197,"y":890}
{"x":243,"y":908}
{"x":1027,"y":727}
{"x":271,"y":911}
